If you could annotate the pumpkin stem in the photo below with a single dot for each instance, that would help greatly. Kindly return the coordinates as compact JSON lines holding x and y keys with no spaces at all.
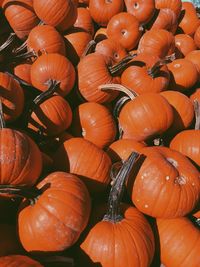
{"x":118,"y":87}
{"x":197,"y":114}
{"x":113,"y":213}
{"x":9,"y":41}
{"x":26,"y":55}
{"x":89,"y":48}
{"x":153,"y":71}
{"x":119,"y":104}
{"x":2,"y":120}
{"x":19,"y":79}
{"x":20,"y":48}
{"x":30,"y":193}
{"x":121,"y":65}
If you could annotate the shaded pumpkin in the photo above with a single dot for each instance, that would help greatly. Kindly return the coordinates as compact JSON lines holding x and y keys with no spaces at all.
{"x":23,"y":71}
{"x":194,"y":57}
{"x":195,"y":95}
{"x":84,"y":20}
{"x":18,"y":260}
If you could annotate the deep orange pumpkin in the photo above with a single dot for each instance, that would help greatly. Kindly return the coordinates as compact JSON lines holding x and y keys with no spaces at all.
{"x":194,"y":57}
{"x":84,"y":20}
{"x":53,"y":67}
{"x":95,"y":123}
{"x":12,"y":97}
{"x":23,"y":71}
{"x":83,"y":158}
{"x":167,"y":184}
{"x":197,"y":37}
{"x":184,"y":45}
{"x":179,"y":242}
{"x":18,"y":260}
{"x":62,"y":209}
{"x":58,"y":13}
{"x":125,"y":29}
{"x":21,"y":16}
{"x":195,"y":95}
{"x":174,"y":5}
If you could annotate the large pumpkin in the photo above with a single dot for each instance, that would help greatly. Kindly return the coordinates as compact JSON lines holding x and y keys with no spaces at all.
{"x":57,"y":215}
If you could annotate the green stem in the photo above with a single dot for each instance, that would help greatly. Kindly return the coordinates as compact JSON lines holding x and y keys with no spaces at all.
{"x":114,"y":213}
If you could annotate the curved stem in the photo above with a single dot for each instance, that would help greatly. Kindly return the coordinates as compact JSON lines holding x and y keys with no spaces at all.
{"x":9,"y":41}
{"x":118,"y":87}
{"x":113,"y":213}
{"x":30,"y":193}
{"x":121,"y":65}
{"x":20,"y":48}
{"x":26,"y":55}
{"x":197,"y":114}
{"x":19,"y":79}
{"x":119,"y":104}
{"x":89,"y":48}
{"x":2,"y":121}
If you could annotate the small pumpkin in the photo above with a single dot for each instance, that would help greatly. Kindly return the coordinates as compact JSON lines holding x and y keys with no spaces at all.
{"x":184,"y":44}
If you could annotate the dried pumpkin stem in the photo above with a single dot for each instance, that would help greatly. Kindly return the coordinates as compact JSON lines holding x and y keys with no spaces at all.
{"x":12,"y":37}
{"x":19,"y":80}
{"x":22,"y":191}
{"x":118,"y":87}
{"x":113,"y":213}
{"x":121,"y":65}
{"x":197,"y":114}
{"x":26,"y":55}
{"x":2,"y":120}
{"x":89,"y":48}
{"x":20,"y":48}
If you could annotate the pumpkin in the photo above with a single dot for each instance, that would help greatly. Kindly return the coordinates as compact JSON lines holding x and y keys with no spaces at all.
{"x":12,"y":97}
{"x":184,"y":74}
{"x":183,"y":111}
{"x":123,"y":228}
{"x":188,"y":142}
{"x":184,"y":44}
{"x":109,"y":47}
{"x":125,"y":29}
{"x":100,"y":34}
{"x":179,"y":242}
{"x":143,"y":10}
{"x":158,"y":42}
{"x":190,"y":21}
{"x":21,"y":16}
{"x":51,"y":212}
{"x":175,"y":5}
{"x":167,"y":184}
{"x":197,"y":37}
{"x":51,"y":117}
{"x":121,"y":149}
{"x":95,"y":123}
{"x":23,"y":71}
{"x":57,"y":13}
{"x":142,"y":76}
{"x":81,"y":157}
{"x":94,"y":70}
{"x":18,"y":260}
{"x":166,"y":19}
{"x":102,"y":11}
{"x":195,"y":95}
{"x":53,"y":67}
{"x":84,"y":20}
{"x":194,"y":57}
{"x":45,"y":39}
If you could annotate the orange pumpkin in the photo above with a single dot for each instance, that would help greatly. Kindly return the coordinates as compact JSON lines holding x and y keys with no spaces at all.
{"x":18,"y":260}
{"x":194,"y":57}
{"x":195,"y":95}
{"x":175,"y":5}
{"x":84,"y":20}
{"x":197,"y":37}
{"x":23,"y":71}
{"x":184,"y":45}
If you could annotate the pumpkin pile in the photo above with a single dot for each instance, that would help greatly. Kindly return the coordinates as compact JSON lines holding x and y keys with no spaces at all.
{"x":99,"y":133}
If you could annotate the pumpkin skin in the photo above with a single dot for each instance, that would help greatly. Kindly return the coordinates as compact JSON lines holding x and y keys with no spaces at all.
{"x":158,"y":42}
{"x":195,"y":95}
{"x":137,"y":78}
{"x":109,"y":47}
{"x":166,"y":176}
{"x":54,"y":116}
{"x":184,"y":74}
{"x":45,"y":39}
{"x":122,"y":148}
{"x":187,"y":142}
{"x":57,"y":13}
{"x":184,"y":44}
{"x":18,"y":260}
{"x":197,"y":37}
{"x":194,"y":57}
{"x":102,"y":11}
{"x":139,"y":118}
{"x":107,"y":241}
{"x":21,"y":160}
{"x":21,"y":16}
{"x":23,"y":71}
{"x":12,"y":97}
{"x":84,"y":20}
{"x":125,"y":29}
{"x":175,"y":5}
{"x":100,"y":34}
{"x":190,"y":21}
{"x":143,"y":10}
{"x":179,"y":242}
{"x":92,"y":72}
{"x":53,"y":213}
{"x":95,"y":123}
{"x":183,"y":110}
{"x":54,"y":67}
{"x":81,"y":157}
